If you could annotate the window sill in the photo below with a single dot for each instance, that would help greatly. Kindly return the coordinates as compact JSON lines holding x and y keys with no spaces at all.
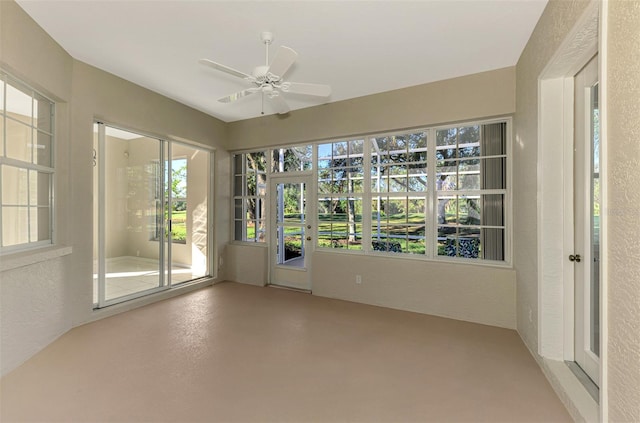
{"x":419,"y":257}
{"x":249,"y":244}
{"x":28,"y":258}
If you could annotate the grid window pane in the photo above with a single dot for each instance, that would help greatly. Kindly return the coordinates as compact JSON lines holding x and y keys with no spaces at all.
{"x":15,"y":191}
{"x":42,"y":149}
{"x":15,"y":226}
{"x":250,"y":179}
{"x":470,"y":160}
{"x":19,"y":105}
{"x":26,"y":189}
{"x":18,"y":142}
{"x":293,"y":159}
{"x":40,"y":223}
{"x":43,"y":114}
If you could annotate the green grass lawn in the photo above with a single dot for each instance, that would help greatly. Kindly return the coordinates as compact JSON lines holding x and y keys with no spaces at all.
{"x":339,"y":227}
{"x":179,"y":226}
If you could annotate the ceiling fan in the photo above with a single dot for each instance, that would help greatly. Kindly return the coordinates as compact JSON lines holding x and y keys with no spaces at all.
{"x":268,"y":79}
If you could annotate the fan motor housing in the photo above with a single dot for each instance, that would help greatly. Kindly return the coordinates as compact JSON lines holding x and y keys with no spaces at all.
{"x":263,"y":76}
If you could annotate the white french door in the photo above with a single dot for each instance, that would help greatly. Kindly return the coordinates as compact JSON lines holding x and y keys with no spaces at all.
{"x":586,"y":256}
{"x":290,"y":228}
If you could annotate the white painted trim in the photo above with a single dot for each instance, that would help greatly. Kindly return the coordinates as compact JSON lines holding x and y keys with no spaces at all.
{"x":102,"y":268}
{"x":604,"y":218}
{"x":550,"y":194}
{"x":30,"y":257}
{"x":568,"y":269}
{"x":554,"y":207}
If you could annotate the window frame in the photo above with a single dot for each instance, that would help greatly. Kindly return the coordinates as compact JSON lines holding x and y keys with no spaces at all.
{"x":506,"y":191}
{"x":244,"y":196}
{"x":430,"y":194}
{"x":7,"y":79}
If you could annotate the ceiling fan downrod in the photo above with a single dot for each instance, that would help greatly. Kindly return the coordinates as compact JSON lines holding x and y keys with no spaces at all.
{"x":267,"y":39}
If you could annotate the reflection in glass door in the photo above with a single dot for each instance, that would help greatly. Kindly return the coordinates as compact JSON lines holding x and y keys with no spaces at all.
{"x":292,"y":232}
{"x":587,"y":202}
{"x":151,"y":214}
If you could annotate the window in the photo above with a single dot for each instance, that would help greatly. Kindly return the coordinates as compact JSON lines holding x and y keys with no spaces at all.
{"x":340,"y":194}
{"x":471,"y":182}
{"x":26,"y":166}
{"x":399,"y":187}
{"x":250,"y":188}
{"x":292,"y":159}
{"x":436,"y":193}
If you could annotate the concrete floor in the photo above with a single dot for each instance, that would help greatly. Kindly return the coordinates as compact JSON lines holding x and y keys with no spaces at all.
{"x":235,"y":352}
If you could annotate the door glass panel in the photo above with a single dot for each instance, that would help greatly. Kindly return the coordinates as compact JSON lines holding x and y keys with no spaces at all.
{"x":189,"y":213}
{"x":587,"y":221}
{"x":595,"y":222}
{"x":132,"y":255}
{"x":151,"y":214}
{"x":290,"y":222}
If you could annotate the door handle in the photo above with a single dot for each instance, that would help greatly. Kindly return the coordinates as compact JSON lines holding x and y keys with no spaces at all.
{"x":575,"y":258}
{"x":308,"y":238}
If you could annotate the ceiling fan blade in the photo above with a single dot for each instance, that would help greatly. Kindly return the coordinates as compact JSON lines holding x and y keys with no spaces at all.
{"x":238,"y":95}
{"x":283,"y":60}
{"x":278,"y":103}
{"x":306,"y":89}
{"x":223,"y":68}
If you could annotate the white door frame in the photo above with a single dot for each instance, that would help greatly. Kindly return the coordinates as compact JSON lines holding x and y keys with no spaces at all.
{"x":555,"y":202}
{"x":282,"y":275}
{"x":586,"y":359}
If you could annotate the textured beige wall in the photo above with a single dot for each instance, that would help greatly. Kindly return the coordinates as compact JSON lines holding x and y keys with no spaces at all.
{"x":33,"y":299}
{"x":114,"y":100}
{"x":466,"y":292}
{"x":246,"y":264}
{"x":622,"y":203}
{"x":623,"y":210}
{"x":474,"y":96}
{"x":489,"y":299}
{"x":55,"y":295}
{"x":556,"y":21}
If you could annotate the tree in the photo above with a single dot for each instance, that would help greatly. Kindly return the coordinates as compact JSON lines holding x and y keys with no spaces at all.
{"x":179,"y":185}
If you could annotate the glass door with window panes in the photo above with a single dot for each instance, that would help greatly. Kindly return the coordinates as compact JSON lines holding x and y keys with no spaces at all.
{"x":151,"y":214}
{"x":586,"y":255}
{"x":290,"y":231}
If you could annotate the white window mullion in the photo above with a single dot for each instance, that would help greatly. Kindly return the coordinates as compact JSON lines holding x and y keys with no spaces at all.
{"x":366,"y":195}
{"x":166,"y":278}
{"x":312,"y":197}
{"x":432,"y":198}
{"x":102,"y":266}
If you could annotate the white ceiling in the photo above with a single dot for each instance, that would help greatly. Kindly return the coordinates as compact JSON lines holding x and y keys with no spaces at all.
{"x":357,"y":47}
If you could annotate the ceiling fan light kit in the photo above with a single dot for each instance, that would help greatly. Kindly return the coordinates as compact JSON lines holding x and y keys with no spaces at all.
{"x":268,"y":79}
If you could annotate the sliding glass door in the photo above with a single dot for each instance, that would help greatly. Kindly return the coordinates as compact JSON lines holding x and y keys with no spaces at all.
{"x":151,"y":214}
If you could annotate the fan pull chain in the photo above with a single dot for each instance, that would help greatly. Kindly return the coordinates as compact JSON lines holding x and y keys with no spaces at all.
{"x":262,"y":111}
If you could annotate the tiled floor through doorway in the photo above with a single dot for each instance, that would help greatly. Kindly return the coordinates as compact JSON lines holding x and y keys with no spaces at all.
{"x":129,"y":275}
